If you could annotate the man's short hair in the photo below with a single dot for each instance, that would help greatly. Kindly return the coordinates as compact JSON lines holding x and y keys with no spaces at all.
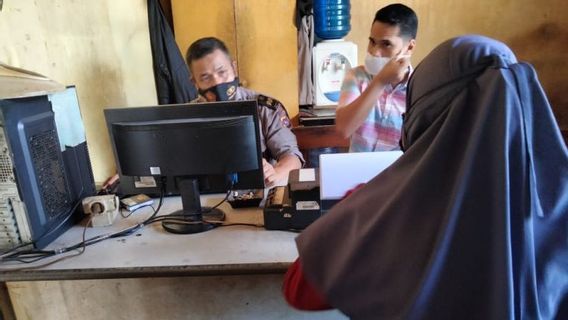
{"x":204,"y":46}
{"x":399,"y":15}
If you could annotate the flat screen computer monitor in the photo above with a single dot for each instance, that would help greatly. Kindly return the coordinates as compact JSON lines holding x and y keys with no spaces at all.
{"x":189,"y":145}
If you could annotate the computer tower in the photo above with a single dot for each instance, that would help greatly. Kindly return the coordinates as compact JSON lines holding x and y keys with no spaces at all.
{"x":45,"y":169}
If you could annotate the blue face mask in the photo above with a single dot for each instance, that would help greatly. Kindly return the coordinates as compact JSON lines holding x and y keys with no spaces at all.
{"x":221,"y":92}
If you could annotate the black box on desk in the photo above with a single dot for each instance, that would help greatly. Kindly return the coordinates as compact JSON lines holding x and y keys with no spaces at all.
{"x":278,"y":211}
{"x":296,"y":206}
{"x":305,"y":194}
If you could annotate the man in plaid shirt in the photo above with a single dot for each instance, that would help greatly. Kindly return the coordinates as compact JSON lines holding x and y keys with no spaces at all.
{"x":373,"y":96}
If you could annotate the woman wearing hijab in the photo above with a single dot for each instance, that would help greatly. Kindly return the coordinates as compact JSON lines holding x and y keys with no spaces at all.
{"x":471,"y":222}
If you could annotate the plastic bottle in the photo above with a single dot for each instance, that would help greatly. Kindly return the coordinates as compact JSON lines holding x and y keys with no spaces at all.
{"x":332,"y":18}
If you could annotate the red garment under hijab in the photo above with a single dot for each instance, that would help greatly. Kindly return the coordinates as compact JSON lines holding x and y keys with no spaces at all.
{"x":299,"y":293}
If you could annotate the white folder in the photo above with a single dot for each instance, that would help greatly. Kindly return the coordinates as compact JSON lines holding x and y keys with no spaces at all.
{"x":341,"y":172}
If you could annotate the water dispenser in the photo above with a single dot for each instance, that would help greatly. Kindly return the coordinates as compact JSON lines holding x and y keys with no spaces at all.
{"x":333,"y":56}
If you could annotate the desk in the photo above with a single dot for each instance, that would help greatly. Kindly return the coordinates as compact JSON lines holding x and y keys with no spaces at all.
{"x":229,"y":272}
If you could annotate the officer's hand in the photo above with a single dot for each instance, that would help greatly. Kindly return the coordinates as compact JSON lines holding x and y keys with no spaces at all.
{"x":271,"y":175}
{"x":394,"y":71}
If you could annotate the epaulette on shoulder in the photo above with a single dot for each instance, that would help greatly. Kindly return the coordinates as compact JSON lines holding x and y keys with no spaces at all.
{"x":267,"y":102}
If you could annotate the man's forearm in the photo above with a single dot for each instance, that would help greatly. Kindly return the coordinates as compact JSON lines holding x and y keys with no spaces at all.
{"x":288,"y":162}
{"x":278,"y":174}
{"x":350,"y":117}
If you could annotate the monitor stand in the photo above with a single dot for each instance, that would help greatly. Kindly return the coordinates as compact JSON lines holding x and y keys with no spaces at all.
{"x":192,"y":218}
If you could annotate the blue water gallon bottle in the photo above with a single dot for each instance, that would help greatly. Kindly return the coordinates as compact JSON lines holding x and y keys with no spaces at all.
{"x":332,"y":18}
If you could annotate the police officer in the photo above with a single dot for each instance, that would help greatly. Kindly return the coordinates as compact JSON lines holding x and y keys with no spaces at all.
{"x":214,"y":74}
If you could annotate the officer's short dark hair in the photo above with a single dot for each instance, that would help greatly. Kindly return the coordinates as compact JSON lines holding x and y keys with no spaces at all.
{"x":399,"y":15}
{"x":204,"y":46}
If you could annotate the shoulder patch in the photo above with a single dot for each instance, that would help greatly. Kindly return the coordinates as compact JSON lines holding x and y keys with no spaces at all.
{"x":275,"y":105}
{"x":267,"y":102}
{"x":285,"y":120}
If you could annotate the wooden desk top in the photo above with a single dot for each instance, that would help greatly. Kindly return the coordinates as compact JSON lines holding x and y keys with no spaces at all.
{"x":153,"y":252}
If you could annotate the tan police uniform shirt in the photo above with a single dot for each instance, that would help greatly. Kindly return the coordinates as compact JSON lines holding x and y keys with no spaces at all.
{"x":276,"y":138}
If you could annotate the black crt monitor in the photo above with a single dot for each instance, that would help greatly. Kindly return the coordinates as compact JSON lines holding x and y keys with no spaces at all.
{"x":196,"y":147}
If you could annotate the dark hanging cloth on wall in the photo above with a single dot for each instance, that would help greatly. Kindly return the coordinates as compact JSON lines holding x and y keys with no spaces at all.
{"x":170,"y":71}
{"x":305,"y":26}
{"x":303,"y":8}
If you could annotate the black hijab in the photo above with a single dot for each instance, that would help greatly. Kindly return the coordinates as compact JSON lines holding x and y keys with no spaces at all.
{"x":471,"y":222}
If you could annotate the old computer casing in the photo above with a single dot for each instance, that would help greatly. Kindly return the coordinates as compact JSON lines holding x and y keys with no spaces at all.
{"x":45,"y":169}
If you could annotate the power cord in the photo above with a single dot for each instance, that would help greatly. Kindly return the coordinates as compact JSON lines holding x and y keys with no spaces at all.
{"x":46,"y":232}
{"x":29,"y":256}
{"x":33,"y":255}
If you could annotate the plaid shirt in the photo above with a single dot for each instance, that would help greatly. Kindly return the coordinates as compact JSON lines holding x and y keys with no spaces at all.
{"x":381,"y":129}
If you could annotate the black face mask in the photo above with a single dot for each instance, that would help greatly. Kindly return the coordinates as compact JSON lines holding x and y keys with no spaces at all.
{"x":221,"y":92}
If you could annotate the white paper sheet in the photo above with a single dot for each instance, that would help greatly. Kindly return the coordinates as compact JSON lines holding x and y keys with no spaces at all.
{"x":341,"y":172}
{"x":307,"y":175}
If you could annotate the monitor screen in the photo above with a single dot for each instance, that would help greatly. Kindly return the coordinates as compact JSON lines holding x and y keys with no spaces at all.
{"x":186,"y":147}
{"x":131,"y":184}
{"x":191,"y":148}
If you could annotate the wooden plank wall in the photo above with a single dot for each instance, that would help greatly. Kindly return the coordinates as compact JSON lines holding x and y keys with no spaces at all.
{"x":103,"y":46}
{"x":537,"y":31}
{"x":265,"y":37}
{"x":260,"y":35}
